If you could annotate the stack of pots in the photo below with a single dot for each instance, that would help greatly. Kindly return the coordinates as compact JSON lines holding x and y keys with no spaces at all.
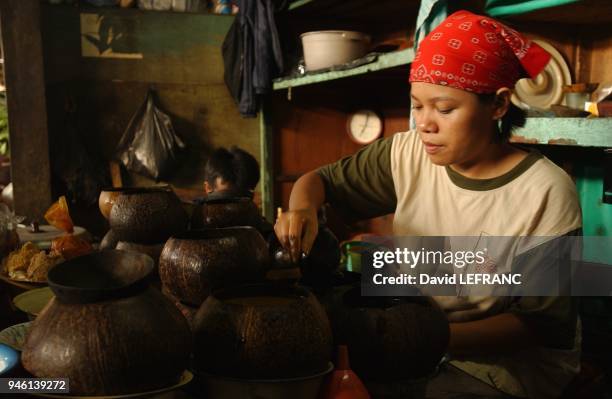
{"x":395,"y":344}
{"x":221,"y":210}
{"x":106,"y":329}
{"x":141,"y":218}
{"x":194,"y":264}
{"x":262,"y":341}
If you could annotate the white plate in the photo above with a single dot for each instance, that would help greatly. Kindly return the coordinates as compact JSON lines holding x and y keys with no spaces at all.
{"x":547,"y":88}
{"x":46,"y":235}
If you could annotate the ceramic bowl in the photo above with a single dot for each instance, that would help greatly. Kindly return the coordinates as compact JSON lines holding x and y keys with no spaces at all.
{"x":9,"y":358}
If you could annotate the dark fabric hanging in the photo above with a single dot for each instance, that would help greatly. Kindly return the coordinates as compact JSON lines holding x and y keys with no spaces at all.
{"x":252,"y":54}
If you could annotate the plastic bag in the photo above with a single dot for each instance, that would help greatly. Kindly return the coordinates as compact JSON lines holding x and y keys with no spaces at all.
{"x":59,"y":216}
{"x":149,"y":146}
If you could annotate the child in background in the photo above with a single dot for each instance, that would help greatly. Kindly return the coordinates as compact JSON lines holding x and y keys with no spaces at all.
{"x":232,"y":172}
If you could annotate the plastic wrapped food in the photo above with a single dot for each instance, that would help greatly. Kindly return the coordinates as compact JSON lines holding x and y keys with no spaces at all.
{"x":59,"y":216}
{"x":70,"y":246}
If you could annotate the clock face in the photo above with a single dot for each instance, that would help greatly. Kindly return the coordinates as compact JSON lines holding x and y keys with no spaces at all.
{"x":364,"y":126}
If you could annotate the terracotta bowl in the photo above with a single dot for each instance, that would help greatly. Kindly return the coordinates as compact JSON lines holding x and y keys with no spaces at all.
{"x":106,"y":329}
{"x":195,"y":263}
{"x":381,"y":331}
{"x":219,"y":211}
{"x":262,"y":331}
{"x":147,"y":215}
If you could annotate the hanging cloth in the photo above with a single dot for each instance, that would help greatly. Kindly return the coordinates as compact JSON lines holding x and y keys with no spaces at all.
{"x":252,"y":54}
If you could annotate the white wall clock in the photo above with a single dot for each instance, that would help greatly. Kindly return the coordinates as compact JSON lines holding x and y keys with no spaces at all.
{"x":364,"y":126}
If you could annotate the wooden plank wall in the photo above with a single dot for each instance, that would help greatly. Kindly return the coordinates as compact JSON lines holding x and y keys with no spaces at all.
{"x":181,"y":59}
{"x":23,"y":69}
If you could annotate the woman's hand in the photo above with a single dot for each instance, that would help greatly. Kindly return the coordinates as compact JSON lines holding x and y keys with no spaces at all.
{"x":296,"y":230}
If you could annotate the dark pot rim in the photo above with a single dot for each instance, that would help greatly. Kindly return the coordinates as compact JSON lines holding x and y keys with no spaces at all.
{"x":205,"y":234}
{"x":328,"y":369}
{"x":223,"y":199}
{"x":138,"y":190}
{"x":352,"y":298}
{"x":62,"y":280}
{"x":261,"y":289}
{"x":231,"y":200}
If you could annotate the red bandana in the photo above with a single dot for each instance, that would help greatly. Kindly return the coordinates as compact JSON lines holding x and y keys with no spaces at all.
{"x":477,"y":54}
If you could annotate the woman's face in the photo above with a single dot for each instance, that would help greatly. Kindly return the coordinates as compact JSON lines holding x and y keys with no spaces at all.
{"x":454,"y":125}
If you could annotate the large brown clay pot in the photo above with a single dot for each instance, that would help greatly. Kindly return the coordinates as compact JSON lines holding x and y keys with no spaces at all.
{"x":195,"y":263}
{"x":106,"y":199}
{"x":219,"y":211}
{"x":389,"y":339}
{"x":147,"y":215}
{"x":262,"y":331}
{"x":153,"y":250}
{"x":106,"y":329}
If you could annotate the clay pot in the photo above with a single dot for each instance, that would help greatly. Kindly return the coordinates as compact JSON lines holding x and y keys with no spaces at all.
{"x":195,"y":263}
{"x":262,"y":331}
{"x":187,"y":310}
{"x":106,"y":199}
{"x":153,"y":250}
{"x":389,"y":339}
{"x":319,"y":268}
{"x":106,"y":329}
{"x":147,"y":215}
{"x":109,"y":241}
{"x":220,"y":211}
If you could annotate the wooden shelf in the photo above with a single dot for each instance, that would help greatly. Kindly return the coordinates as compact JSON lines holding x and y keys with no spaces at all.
{"x":299,"y":3}
{"x":354,"y":8}
{"x":384,"y":61}
{"x":583,"y":132}
{"x":583,"y":12}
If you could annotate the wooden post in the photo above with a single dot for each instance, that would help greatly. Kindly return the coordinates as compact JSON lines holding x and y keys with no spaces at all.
{"x":26,"y":103}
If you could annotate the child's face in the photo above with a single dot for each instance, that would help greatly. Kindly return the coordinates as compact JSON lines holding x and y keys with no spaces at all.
{"x":218,"y":185}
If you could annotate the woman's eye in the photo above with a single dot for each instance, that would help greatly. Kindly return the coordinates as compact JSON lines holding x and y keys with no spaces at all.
{"x":417,"y":107}
{"x":445,"y":111}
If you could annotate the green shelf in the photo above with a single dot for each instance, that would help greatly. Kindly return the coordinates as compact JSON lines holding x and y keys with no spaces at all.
{"x":583,"y":132}
{"x":384,"y":61}
{"x":298,"y":4}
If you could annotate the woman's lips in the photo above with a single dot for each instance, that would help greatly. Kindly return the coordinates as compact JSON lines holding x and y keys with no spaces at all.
{"x":431,"y":148}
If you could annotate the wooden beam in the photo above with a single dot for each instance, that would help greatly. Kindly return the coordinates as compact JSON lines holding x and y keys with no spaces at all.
{"x":26,"y":103}
{"x":266,"y":135}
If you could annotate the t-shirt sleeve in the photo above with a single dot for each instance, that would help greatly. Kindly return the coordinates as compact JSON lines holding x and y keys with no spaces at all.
{"x":360,"y":186}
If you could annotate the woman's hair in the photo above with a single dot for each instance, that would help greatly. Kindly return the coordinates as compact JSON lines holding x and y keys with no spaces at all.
{"x":513,"y":118}
{"x":235,"y":166}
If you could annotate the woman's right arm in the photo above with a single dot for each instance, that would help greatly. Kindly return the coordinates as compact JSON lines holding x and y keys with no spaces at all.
{"x":359,"y":187}
{"x":297,"y":228}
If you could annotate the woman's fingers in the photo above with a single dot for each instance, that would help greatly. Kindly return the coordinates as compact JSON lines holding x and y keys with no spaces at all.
{"x":311,"y":230}
{"x":296,"y":224}
{"x":297,"y":231}
{"x":281,"y":229}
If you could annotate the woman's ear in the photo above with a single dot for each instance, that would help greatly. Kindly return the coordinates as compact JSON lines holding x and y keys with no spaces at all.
{"x":207,"y":187}
{"x":501,"y":103}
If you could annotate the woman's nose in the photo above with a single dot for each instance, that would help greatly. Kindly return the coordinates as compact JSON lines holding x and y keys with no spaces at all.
{"x":426,"y":125}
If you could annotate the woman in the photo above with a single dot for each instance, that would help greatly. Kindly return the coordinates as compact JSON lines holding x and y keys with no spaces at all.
{"x":457,"y":175}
